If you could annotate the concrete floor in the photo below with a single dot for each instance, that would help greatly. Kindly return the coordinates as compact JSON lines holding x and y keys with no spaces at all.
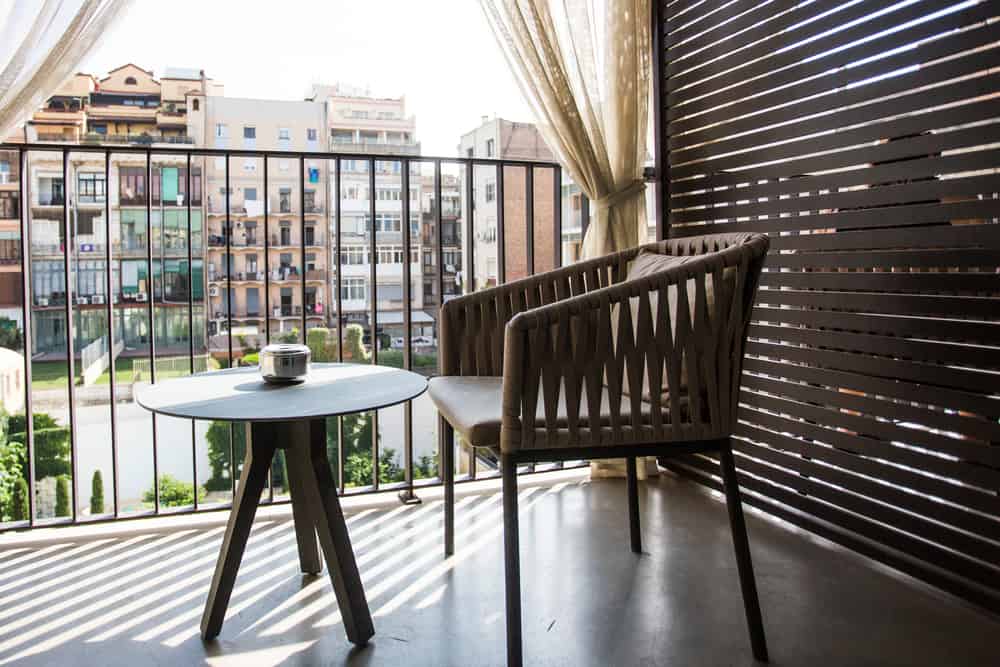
{"x":135,"y":599}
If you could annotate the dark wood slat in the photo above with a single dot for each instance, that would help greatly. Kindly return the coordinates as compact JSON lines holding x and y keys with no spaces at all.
{"x":836,"y":531}
{"x":880,"y":453}
{"x":896,"y":216}
{"x":866,"y":408}
{"x":774,"y":64}
{"x":725,"y":23}
{"x":756,"y":43}
{"x":688,"y":152}
{"x":888,"y":195}
{"x":956,"y":401}
{"x":940,"y":236}
{"x":751,"y":475}
{"x":795,"y":89}
{"x":794,"y":185}
{"x":907,"y":84}
{"x":923,"y":258}
{"x":900,"y":304}
{"x":932,"y":375}
{"x":873,"y":500}
{"x":887,"y":282}
{"x":894,"y":484}
{"x":966,"y":331}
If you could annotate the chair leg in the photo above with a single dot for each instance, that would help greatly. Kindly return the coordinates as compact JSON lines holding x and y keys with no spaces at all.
{"x":446,"y":447}
{"x":512,"y":560}
{"x":632,"y":484}
{"x":751,"y":603}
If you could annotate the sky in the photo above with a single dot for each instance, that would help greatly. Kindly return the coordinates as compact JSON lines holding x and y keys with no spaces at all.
{"x":440,"y":54}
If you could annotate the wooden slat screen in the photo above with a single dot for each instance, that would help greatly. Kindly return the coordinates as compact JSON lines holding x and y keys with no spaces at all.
{"x":864,"y":138}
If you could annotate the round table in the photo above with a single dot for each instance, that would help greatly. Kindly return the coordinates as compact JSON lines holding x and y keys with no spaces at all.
{"x":291,"y":417}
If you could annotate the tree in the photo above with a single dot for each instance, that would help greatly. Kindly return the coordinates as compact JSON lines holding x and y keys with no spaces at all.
{"x":354,"y":349}
{"x":19,"y":510}
{"x":219,"y":454}
{"x":290,"y":337}
{"x":426,"y":467}
{"x":321,"y":346}
{"x":173,"y":492}
{"x":51,"y":444}
{"x":10,"y":334}
{"x":62,"y":496}
{"x":97,"y":493}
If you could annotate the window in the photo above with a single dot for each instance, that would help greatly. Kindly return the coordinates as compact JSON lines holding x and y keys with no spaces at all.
{"x":469,"y":152}
{"x":221,"y":131}
{"x":490,"y":148}
{"x":90,"y":188}
{"x":491,"y":191}
{"x":309,"y":199}
{"x":452,"y":258}
{"x":284,"y":134}
{"x":311,"y":134}
{"x":387,"y":222}
{"x":353,"y":289}
{"x":249,"y":132}
{"x":85,"y":221}
{"x":354,"y":255}
{"x":310,"y":235}
{"x":8,"y":205}
{"x":130,"y":81}
{"x":251,"y":264}
{"x":132,"y":185}
{"x":195,"y":105}
{"x":285,"y":200}
{"x":250,"y":194}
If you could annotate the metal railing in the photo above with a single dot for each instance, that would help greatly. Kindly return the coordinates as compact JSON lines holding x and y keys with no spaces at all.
{"x":158,"y":354}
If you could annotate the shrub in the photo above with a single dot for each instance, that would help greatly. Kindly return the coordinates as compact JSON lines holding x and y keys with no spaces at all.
{"x":252,"y":359}
{"x":19,"y":501}
{"x":354,"y":349}
{"x":62,"y":496}
{"x":173,"y":492}
{"x":97,"y":493}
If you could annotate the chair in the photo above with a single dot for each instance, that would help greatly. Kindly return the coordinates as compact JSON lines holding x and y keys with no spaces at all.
{"x":638,"y":353}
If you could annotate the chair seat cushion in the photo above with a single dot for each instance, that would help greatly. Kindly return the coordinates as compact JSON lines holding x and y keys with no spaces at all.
{"x":473,"y":405}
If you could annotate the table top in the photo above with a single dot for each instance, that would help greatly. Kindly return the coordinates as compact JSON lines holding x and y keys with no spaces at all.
{"x":239,"y":394}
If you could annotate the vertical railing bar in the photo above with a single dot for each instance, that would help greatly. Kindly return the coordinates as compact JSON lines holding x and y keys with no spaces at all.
{"x":26,"y":301}
{"x":112,"y":366}
{"x":70,"y":347}
{"x":557,"y":256}
{"x":150,"y":297}
{"x":470,"y":248}
{"x":501,"y":232}
{"x":340,"y":317}
{"x":302,"y":239}
{"x":267,"y":260}
{"x":373,"y":291}
{"x":584,"y":216}
{"x":407,"y":495}
{"x":529,"y":217}
{"x":227,"y":299}
{"x":189,"y":193}
{"x":439,"y":261}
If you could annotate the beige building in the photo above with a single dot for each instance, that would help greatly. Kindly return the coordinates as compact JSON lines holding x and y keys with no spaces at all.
{"x":296,"y":223}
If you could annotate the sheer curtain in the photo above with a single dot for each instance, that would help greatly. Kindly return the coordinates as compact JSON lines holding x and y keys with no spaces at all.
{"x":584,"y":67}
{"x":42,"y":42}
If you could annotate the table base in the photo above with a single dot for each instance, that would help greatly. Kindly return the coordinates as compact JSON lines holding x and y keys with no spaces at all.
{"x":316,"y":510}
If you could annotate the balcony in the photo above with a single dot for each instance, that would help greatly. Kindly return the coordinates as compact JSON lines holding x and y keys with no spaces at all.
{"x":136,"y":596}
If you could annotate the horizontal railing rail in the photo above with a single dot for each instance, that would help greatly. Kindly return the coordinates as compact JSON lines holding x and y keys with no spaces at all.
{"x":153,"y":337}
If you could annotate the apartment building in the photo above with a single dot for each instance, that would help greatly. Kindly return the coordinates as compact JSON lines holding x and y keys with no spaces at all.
{"x":499,"y":138}
{"x":129,"y":105}
{"x":289,"y":245}
{"x":358,"y":122}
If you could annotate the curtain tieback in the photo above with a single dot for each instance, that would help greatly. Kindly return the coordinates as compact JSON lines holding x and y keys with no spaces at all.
{"x":633,"y":189}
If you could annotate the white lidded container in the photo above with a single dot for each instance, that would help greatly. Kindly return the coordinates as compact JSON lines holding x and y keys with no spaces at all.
{"x":283,"y":362}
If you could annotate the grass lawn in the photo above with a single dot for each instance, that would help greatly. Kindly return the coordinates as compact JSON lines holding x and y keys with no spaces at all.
{"x":53,"y":374}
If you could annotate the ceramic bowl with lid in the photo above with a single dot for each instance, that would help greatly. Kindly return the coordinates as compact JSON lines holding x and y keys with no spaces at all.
{"x":283,"y":362}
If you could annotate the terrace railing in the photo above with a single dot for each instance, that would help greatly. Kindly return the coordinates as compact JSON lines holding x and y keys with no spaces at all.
{"x":151,"y":466}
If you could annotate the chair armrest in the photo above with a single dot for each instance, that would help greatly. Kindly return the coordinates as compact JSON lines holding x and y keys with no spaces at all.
{"x":472,"y":326}
{"x":591,"y":344}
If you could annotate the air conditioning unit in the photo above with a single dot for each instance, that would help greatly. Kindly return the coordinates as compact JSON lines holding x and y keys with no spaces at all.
{"x":213,"y":290}
{"x":82,"y":301}
{"x":141,"y":297}
{"x":42,"y":303}
{"x":97,"y":299}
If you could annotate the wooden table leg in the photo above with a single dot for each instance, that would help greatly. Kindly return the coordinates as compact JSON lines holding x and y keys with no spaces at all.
{"x":321,"y":495}
{"x":253,"y":479}
{"x":305,"y":521}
